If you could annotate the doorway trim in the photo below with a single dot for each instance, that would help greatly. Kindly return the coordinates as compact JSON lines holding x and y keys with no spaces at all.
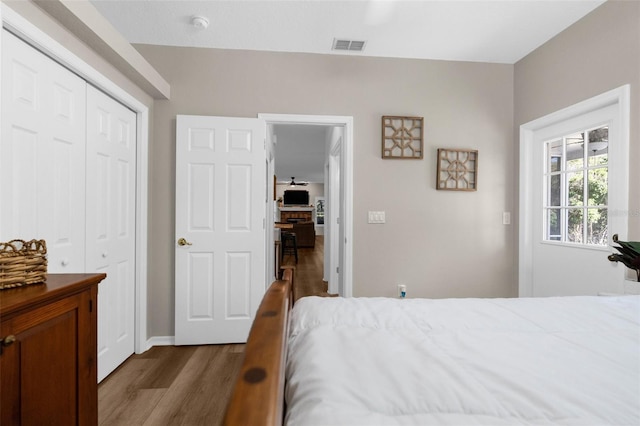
{"x":40,"y":40}
{"x":619,"y":98}
{"x":346,"y":178}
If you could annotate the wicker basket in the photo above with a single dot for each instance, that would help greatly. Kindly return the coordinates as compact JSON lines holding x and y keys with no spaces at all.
{"x":22,"y":263}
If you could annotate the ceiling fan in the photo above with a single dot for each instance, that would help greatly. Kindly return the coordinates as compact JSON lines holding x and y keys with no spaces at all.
{"x":294,"y":183}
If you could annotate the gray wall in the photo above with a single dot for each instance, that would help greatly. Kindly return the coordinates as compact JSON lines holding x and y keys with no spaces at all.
{"x":438,"y":243}
{"x":598,"y":53}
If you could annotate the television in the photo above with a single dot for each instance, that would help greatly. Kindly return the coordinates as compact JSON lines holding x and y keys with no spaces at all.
{"x":295,"y":198}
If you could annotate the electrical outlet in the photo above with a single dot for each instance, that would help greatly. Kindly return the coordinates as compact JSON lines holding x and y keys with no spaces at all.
{"x":402,"y":291}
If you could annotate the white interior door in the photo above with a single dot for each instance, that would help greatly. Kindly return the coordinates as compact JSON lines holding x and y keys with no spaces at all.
{"x":332,"y":225}
{"x":556,"y":261}
{"x":270,"y":208}
{"x":111,"y":171}
{"x":42,"y":154}
{"x":220,"y":227}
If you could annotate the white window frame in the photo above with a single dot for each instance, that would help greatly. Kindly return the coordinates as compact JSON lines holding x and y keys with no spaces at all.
{"x":565,"y":206}
{"x":618,"y":99}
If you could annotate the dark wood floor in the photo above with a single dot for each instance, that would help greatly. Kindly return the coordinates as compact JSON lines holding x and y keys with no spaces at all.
{"x":188,"y":385}
{"x":309,"y":270}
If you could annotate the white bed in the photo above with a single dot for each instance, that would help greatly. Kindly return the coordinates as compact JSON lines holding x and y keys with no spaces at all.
{"x":534,"y":361}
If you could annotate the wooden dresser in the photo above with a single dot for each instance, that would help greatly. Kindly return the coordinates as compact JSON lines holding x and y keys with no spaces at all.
{"x":48,"y":360}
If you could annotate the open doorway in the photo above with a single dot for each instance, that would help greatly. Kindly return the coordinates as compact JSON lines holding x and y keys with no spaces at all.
{"x":313,"y":154}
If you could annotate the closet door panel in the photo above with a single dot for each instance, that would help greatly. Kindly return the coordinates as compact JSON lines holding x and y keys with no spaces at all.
{"x":111,"y":159}
{"x":42,"y":154}
{"x":19,"y":194}
{"x":21,"y":138}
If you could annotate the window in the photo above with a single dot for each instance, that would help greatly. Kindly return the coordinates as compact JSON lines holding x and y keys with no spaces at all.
{"x":576,"y":188}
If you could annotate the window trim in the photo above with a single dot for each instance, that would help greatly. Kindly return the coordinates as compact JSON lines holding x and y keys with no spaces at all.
{"x":619,"y":99}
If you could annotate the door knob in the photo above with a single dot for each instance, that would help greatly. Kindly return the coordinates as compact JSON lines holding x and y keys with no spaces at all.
{"x":183,"y":242}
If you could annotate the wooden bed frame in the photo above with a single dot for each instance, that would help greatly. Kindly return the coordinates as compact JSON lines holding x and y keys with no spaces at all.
{"x":258,"y":395}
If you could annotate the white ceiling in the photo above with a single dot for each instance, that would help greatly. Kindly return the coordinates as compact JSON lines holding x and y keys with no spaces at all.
{"x":502,"y":31}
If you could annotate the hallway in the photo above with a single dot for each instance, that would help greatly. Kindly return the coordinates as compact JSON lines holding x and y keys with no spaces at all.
{"x":309,"y":270}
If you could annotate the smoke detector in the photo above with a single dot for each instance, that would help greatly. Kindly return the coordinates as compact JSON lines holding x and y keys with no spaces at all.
{"x":200,"y":22}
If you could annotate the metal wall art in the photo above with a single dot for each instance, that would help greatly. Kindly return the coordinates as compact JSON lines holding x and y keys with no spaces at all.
{"x":457,"y":170}
{"x":402,"y":137}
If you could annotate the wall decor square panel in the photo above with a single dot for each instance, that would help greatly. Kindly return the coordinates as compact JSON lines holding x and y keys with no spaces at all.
{"x":457,"y":170}
{"x":402,"y":137}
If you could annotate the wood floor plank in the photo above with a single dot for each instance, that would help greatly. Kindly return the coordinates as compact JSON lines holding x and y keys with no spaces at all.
{"x":155,"y":369}
{"x":200,"y":393}
{"x":208,"y":405}
{"x":136,"y":409}
{"x":114,"y":391}
{"x":169,"y":363}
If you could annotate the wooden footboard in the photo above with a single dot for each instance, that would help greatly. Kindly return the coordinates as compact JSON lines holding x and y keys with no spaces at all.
{"x":258,"y":395}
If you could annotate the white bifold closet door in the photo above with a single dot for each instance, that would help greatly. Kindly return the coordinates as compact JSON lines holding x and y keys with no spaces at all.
{"x":42,"y":154}
{"x":110,"y":248}
{"x":67,"y":175}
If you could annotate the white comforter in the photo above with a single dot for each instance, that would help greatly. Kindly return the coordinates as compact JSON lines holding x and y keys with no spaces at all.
{"x":535,"y":361}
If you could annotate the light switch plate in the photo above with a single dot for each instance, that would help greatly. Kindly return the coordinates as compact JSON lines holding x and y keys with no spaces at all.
{"x":377,"y":217}
{"x":506,"y":218}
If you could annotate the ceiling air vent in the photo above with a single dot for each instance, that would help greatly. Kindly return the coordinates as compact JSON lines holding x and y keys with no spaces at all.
{"x":351,"y":45}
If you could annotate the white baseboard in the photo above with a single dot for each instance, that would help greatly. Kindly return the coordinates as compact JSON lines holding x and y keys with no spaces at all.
{"x":160,"y":341}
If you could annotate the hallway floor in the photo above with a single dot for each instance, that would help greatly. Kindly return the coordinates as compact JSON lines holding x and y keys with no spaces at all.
{"x":309,"y":270}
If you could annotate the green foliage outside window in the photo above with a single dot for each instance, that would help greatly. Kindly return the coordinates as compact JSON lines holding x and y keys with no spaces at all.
{"x":597,"y":196}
